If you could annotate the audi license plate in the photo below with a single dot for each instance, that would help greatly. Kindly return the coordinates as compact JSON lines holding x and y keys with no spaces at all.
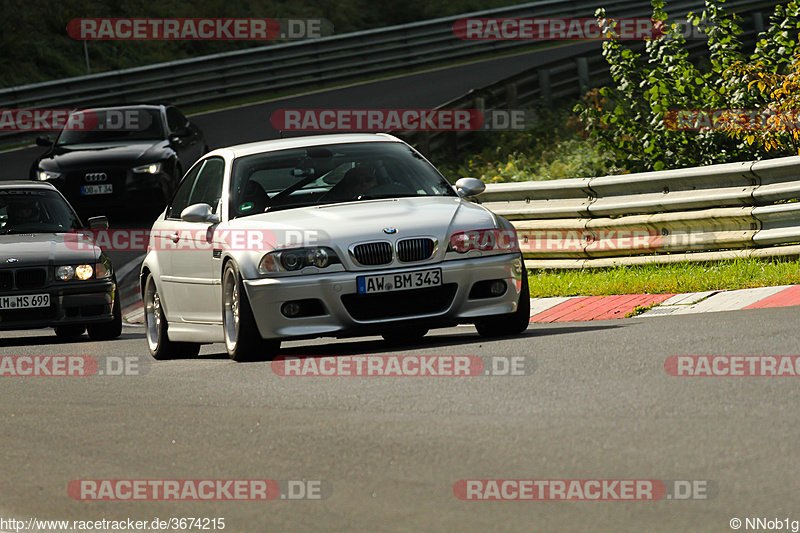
{"x":401,"y":281}
{"x":106,"y":188}
{"x":24,"y":301}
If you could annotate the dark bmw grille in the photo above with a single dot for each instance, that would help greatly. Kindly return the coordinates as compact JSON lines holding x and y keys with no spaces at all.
{"x":400,"y":304}
{"x":31,"y":278}
{"x":373,"y":253}
{"x":414,"y":250}
{"x":6,"y":280}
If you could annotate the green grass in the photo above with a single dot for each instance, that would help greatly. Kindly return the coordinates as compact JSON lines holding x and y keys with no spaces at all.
{"x":660,"y":279}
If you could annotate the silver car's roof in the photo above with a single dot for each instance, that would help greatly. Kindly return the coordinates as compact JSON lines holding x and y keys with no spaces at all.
{"x":241,"y":150}
{"x":26,"y":184}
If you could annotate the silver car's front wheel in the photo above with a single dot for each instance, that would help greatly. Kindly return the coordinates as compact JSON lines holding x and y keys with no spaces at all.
{"x":242,"y":340}
{"x":156,"y":327}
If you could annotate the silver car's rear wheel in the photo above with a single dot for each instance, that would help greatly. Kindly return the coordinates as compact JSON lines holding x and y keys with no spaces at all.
{"x":156,"y":328}
{"x":242,"y":339}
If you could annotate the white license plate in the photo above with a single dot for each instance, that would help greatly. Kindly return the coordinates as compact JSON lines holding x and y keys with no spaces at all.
{"x":399,"y":282}
{"x":24,"y":301}
{"x":106,"y":188}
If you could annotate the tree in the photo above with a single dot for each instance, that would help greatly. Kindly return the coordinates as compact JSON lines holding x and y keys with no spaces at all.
{"x":635,"y":118}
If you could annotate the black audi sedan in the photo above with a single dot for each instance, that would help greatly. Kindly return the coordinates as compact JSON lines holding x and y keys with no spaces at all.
{"x":120,"y":159}
{"x":52,"y":274}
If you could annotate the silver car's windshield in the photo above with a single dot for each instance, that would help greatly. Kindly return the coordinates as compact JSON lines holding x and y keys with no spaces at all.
{"x":112,"y":125}
{"x":331,"y":174}
{"x":35,"y":211}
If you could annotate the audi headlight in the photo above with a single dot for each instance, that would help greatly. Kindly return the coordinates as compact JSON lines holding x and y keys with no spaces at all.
{"x":152,"y":168}
{"x":297,"y":259}
{"x":43,"y":175}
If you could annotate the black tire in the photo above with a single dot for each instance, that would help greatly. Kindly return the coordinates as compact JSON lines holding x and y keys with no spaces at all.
{"x":156,"y":326}
{"x":109,"y":330}
{"x":70,"y":331}
{"x":242,"y":339}
{"x":512,"y":323}
{"x":407,"y":335}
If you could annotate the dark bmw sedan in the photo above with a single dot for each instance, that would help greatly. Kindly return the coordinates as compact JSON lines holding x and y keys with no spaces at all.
{"x":51,"y":273}
{"x":120,"y":159}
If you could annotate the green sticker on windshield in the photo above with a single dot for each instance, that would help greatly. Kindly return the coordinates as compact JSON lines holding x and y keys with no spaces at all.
{"x":247,"y":206}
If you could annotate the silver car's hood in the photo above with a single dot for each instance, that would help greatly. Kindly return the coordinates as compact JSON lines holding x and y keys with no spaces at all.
{"x":47,"y":248}
{"x":348,"y":223}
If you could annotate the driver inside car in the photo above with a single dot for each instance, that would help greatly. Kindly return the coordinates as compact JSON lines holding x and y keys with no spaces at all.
{"x":20,"y":213}
{"x":358,"y":180}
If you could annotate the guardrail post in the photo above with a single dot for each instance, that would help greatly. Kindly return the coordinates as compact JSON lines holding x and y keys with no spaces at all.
{"x":544,"y":86}
{"x":583,"y":73}
{"x":758,"y":22}
{"x":512,"y":99}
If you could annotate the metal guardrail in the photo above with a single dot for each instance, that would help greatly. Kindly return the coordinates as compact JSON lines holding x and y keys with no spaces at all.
{"x":704,"y":213}
{"x":301,"y":65}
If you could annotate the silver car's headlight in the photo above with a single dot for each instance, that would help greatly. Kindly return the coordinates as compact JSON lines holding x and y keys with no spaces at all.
{"x":297,"y":259}
{"x":484,"y":240}
{"x":43,"y":175}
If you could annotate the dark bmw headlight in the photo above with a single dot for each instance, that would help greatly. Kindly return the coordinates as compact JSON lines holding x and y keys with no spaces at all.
{"x":84,"y":271}
{"x":297,"y":259}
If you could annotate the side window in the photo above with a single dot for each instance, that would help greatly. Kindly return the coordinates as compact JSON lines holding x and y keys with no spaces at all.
{"x":180,"y":200}
{"x":175,"y":119}
{"x":208,"y":186}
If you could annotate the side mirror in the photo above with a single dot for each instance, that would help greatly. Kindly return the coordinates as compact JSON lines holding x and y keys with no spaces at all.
{"x":97,"y":223}
{"x":181,"y":133}
{"x":44,"y":140}
{"x":469,"y":187}
{"x":199,"y":213}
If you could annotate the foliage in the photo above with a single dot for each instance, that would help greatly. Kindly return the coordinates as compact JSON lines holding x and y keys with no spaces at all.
{"x":554,"y":148}
{"x":773,"y":79}
{"x":632,"y":119}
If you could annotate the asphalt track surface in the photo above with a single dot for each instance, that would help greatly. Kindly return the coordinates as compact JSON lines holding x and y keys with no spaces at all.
{"x":596,"y":403}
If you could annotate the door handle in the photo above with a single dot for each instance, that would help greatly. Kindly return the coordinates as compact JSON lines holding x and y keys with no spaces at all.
{"x":175,"y":237}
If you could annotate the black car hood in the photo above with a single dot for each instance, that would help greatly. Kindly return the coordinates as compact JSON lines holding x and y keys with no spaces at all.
{"x":47,"y":249}
{"x":81,"y":155}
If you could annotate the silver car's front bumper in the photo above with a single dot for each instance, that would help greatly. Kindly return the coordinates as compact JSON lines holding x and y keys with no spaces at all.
{"x":344,"y":311}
